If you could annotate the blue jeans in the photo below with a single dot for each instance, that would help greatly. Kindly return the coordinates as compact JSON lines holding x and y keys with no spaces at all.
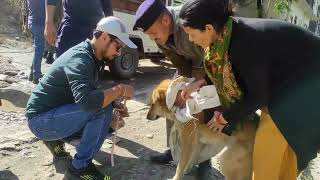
{"x":67,"y":120}
{"x":39,"y":44}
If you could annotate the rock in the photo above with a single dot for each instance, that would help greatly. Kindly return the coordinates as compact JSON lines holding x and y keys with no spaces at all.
{"x":50,"y":175}
{"x":4,"y":154}
{"x":11,"y":79}
{"x":11,"y":73}
{"x":47,"y":163}
{"x":3,"y":77}
{"x":9,"y":146}
{"x":28,"y":155}
{"x":14,"y":119}
{"x":4,"y":84}
{"x":22,"y":73}
{"x":17,"y":38}
{"x":150,"y":136}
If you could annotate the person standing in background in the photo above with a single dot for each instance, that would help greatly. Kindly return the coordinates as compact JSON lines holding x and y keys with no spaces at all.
{"x":79,"y":20}
{"x":49,"y":49}
{"x":36,"y":19}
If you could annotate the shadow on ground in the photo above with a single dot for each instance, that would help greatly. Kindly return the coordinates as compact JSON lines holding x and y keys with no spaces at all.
{"x":8,"y":175}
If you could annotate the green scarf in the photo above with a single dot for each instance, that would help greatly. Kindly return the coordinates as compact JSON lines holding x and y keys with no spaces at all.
{"x":219,"y":69}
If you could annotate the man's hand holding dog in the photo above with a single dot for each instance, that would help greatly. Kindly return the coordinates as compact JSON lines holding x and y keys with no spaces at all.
{"x":217,"y":123}
{"x":126,"y":90}
{"x":192,"y":87}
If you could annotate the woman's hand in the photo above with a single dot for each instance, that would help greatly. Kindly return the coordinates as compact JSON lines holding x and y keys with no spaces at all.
{"x":217,"y":123}
{"x":192,"y":87}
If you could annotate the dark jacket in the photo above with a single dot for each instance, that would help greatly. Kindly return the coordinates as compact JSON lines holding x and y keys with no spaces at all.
{"x":276,"y":65}
{"x":72,"y":78}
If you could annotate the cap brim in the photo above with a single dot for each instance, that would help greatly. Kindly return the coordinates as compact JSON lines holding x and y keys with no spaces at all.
{"x":125,"y":40}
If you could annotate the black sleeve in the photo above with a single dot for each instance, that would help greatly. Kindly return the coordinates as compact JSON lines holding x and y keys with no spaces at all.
{"x":255,"y":95}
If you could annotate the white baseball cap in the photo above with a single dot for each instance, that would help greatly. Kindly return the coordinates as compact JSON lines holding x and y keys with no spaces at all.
{"x":115,"y":27}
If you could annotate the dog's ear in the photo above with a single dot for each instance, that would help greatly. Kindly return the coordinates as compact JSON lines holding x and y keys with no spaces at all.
{"x":158,"y":94}
{"x":162,"y":95}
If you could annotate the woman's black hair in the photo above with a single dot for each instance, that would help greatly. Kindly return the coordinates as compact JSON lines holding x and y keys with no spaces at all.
{"x":198,"y":13}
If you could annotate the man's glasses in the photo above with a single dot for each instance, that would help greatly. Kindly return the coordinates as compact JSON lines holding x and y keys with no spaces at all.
{"x":119,"y":43}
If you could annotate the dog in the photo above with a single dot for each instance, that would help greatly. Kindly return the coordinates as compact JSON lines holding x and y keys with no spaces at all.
{"x":193,"y":142}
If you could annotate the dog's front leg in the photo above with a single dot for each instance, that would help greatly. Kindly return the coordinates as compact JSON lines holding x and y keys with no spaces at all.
{"x":187,"y":147}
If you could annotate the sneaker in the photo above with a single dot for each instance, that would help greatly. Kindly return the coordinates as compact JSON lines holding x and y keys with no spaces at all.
{"x":57,"y":148}
{"x":163,"y":158}
{"x":49,"y":58}
{"x":87,"y":173}
{"x":36,"y":79}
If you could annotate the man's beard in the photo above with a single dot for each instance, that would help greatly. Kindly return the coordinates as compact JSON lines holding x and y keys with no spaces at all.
{"x":105,"y":52}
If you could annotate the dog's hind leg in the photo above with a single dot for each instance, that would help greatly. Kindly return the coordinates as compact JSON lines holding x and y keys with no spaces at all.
{"x":236,"y":161}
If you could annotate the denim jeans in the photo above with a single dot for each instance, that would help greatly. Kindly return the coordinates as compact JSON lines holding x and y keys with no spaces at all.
{"x":39,"y":44}
{"x":67,"y":120}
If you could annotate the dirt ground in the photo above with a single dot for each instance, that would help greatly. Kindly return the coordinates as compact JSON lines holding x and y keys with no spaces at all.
{"x":23,"y":156}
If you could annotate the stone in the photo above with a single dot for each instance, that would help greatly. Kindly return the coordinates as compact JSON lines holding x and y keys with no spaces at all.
{"x":10,"y":73}
{"x":11,"y":79}
{"x":150,"y":136}
{"x":50,"y":175}
{"x":8,"y":146}
{"x":4,"y":84}
{"x":28,"y":155}
{"x":3,"y":77}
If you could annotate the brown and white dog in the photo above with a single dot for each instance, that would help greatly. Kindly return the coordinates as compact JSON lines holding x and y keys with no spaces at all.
{"x":193,"y":142}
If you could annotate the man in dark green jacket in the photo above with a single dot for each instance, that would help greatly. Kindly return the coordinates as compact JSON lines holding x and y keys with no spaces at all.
{"x":67,"y":102}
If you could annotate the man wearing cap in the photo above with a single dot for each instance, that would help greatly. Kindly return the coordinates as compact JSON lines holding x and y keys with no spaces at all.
{"x":67,"y":103}
{"x":162,"y":25}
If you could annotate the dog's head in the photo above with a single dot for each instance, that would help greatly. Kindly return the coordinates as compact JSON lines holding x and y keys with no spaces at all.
{"x":157,"y":102}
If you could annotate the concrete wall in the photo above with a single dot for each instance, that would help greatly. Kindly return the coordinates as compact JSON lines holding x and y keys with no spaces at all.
{"x":300,"y":12}
{"x":298,"y":16}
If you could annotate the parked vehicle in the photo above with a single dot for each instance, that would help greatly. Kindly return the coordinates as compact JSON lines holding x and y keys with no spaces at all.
{"x":127,"y":63}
